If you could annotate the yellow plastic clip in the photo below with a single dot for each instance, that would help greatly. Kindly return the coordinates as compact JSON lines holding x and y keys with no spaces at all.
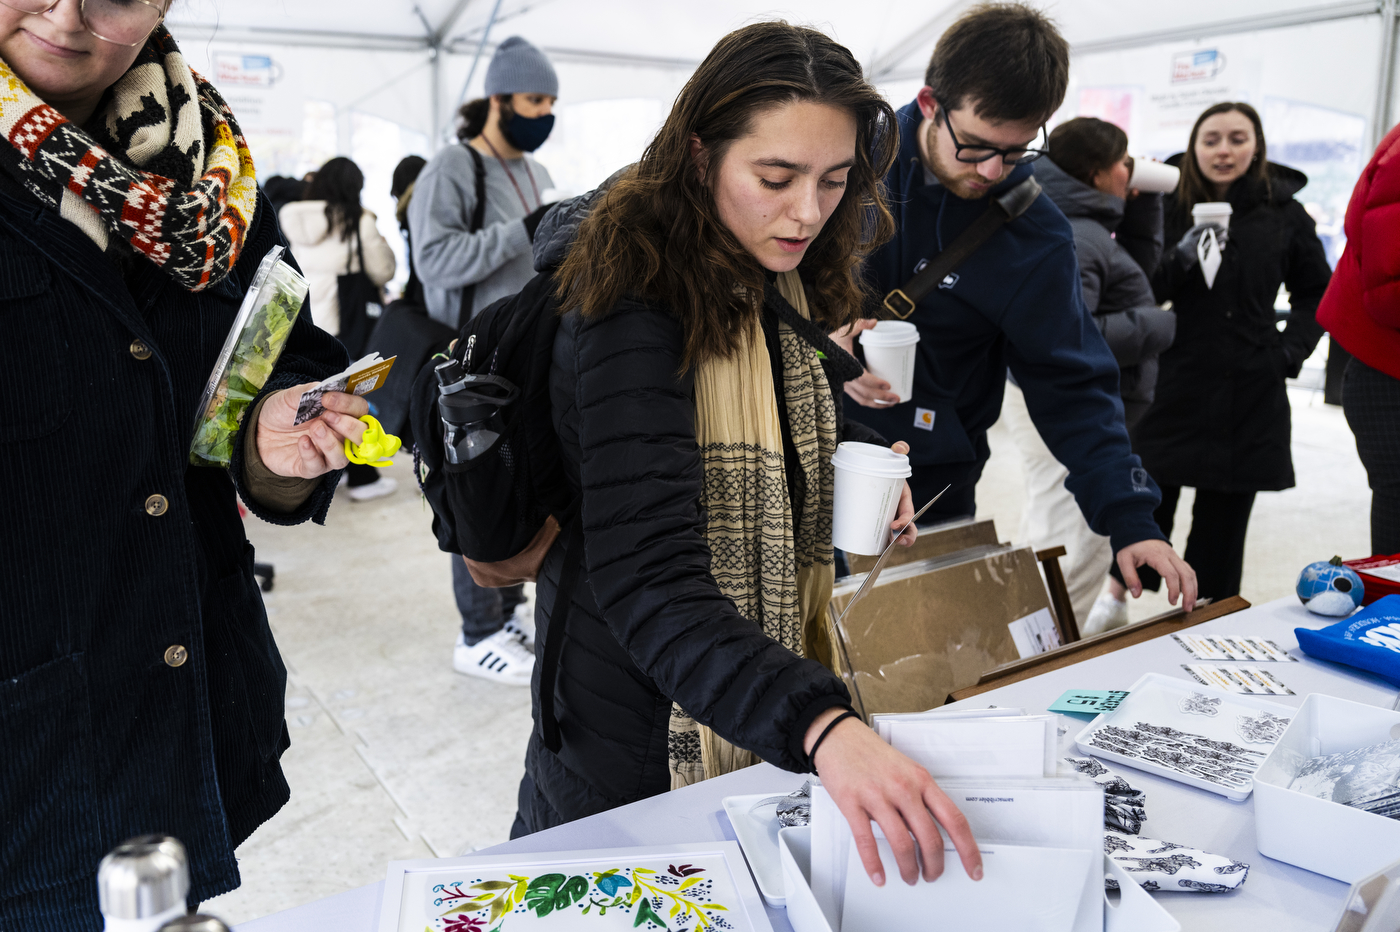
{"x":375,"y":448}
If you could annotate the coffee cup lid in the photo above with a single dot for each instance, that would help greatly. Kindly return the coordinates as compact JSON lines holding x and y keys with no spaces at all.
{"x":890,"y":333}
{"x":872,"y":460}
{"x":1212,"y":207}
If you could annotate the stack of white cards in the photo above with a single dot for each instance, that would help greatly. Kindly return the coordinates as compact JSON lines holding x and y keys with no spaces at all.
{"x":1040,"y":836}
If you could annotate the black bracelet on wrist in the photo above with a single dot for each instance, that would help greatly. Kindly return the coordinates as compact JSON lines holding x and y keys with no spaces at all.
{"x":812,"y":754}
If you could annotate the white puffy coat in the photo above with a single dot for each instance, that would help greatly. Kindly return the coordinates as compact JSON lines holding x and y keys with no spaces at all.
{"x":324,"y":257}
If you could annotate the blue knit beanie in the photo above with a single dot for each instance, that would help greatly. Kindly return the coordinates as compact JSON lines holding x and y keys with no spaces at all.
{"x":520,"y":68}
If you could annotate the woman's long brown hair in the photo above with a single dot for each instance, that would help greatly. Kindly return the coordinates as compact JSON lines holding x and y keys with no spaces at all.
{"x":1193,"y":188}
{"x":657,"y":235}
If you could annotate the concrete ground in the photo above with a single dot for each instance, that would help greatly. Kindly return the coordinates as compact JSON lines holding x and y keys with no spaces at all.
{"x":395,"y":756}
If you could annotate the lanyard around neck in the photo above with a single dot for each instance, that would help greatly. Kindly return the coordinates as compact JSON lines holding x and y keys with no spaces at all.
{"x":528,"y":174}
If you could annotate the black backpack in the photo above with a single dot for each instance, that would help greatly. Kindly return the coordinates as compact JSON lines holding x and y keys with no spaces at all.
{"x":490,"y":508}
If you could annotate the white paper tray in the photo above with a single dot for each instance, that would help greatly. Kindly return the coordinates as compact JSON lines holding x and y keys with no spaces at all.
{"x":758,"y":837}
{"x":1154,"y":699}
{"x":1136,"y":911}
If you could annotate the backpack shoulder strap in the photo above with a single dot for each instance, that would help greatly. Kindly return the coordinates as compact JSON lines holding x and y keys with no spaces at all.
{"x":1003,"y":209}
{"x":478,"y":220}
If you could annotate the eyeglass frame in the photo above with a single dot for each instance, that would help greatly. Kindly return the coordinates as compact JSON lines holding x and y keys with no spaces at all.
{"x":161,"y":5}
{"x":992,"y":151}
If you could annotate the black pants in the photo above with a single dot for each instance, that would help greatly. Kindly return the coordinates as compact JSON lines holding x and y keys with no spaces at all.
{"x":1371,"y":400}
{"x":361,"y":474}
{"x":1215,"y":548}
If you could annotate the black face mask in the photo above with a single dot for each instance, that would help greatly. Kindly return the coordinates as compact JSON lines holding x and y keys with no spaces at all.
{"x":527,"y":133}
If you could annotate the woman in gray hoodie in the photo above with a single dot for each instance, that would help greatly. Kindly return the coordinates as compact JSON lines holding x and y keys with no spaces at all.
{"x":1118,"y":239}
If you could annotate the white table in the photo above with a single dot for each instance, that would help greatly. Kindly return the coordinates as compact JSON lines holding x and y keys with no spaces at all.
{"x":1276,"y":896}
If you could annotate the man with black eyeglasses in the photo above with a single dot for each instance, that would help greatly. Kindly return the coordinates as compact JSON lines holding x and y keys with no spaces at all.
{"x":968,"y":139}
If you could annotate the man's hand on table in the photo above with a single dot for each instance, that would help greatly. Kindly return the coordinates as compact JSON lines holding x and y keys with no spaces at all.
{"x":1158,"y":554}
{"x":316,"y":447}
{"x":871,"y":781}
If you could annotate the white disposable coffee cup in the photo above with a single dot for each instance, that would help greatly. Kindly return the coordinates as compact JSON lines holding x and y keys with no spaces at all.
{"x":1212,"y":212}
{"x":889,"y":353}
{"x":869,"y":479}
{"x":1152,"y":177}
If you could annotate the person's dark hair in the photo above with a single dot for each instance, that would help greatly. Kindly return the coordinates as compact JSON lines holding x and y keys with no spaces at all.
{"x":1193,"y":188}
{"x":281,"y":190}
{"x":338,"y":183}
{"x":1084,"y":146}
{"x":474,"y":114}
{"x":405,"y":173}
{"x":1005,"y":59}
{"x":656,"y":234}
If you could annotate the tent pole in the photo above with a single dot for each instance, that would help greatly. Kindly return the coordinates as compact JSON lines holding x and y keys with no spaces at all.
{"x":481,"y":47}
{"x":435,"y":57}
{"x":1385,"y":91}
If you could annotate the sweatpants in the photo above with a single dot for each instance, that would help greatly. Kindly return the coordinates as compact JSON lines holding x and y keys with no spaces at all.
{"x":1371,"y":400}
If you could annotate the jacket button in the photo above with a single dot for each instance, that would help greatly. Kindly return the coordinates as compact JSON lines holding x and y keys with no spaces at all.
{"x":176,"y":655}
{"x":140,"y":350}
{"x":157,"y":505}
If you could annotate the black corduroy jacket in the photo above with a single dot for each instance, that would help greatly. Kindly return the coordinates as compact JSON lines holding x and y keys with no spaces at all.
{"x":140,"y":688}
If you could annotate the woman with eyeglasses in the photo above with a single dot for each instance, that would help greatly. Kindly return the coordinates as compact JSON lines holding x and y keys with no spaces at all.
{"x":1221,"y":422}
{"x":140,"y":688}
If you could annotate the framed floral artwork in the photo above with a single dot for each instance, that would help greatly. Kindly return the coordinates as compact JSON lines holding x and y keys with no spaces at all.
{"x":676,"y":888}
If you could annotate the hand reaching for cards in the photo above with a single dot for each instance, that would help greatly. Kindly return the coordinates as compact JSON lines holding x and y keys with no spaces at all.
{"x":316,"y":447}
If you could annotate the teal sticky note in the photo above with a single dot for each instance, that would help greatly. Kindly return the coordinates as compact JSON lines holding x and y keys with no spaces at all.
{"x":1089,"y":701}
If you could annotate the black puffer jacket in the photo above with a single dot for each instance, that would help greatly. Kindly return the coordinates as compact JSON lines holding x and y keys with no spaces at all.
{"x":1221,"y":419}
{"x":1118,"y":244}
{"x":648,"y":623}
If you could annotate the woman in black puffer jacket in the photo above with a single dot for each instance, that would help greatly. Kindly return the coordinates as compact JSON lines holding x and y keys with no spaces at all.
{"x":1221,"y":421}
{"x":692,"y":391}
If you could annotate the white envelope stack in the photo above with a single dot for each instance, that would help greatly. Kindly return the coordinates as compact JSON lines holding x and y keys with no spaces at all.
{"x":1040,"y":835}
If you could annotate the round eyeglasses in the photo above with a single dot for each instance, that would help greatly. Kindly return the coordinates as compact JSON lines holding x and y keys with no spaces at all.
{"x":976,"y":154}
{"x":121,"y":22}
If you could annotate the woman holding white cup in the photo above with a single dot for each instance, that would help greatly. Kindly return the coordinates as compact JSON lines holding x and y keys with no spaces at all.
{"x":1220,"y":422}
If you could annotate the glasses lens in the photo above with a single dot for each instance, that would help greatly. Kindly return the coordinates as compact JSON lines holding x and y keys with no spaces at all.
{"x":976,"y":154}
{"x":29,"y":6}
{"x":125,"y":22}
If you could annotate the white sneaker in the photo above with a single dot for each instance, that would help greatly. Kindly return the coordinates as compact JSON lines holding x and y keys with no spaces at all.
{"x":384,"y":485}
{"x":500,"y":657}
{"x":1108,"y":613}
{"x":521,"y":625}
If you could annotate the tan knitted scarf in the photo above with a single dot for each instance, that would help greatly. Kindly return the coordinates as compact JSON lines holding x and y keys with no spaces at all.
{"x":162,"y":169}
{"x":778,"y":576}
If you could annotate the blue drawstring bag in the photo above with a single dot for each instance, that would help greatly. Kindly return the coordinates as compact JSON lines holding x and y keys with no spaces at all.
{"x":1368,"y":640}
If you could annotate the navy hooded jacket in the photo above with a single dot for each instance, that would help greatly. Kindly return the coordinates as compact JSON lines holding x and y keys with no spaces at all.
{"x":1014,"y":303}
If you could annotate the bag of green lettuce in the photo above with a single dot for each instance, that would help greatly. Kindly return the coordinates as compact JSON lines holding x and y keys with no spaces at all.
{"x":254,"y":343}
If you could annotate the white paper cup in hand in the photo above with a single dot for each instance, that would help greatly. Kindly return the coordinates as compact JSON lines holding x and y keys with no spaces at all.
{"x":869,"y":479}
{"x":890,"y":348}
{"x":1151,"y":177}
{"x":1212,"y":212}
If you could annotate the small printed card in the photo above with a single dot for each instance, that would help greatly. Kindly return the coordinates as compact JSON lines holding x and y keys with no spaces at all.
{"x":361,"y":378}
{"x":1238,"y":679}
{"x":1232,"y":647}
{"x":1034,"y":634}
{"x":1090,"y":701}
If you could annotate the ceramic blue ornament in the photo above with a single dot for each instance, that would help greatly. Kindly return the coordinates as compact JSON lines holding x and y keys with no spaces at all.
{"x":1329,"y":588}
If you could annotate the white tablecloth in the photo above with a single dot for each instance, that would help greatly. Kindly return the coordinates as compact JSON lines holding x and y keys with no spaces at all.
{"x":1276,"y":896}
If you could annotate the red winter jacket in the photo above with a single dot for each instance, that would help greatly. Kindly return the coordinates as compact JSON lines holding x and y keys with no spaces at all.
{"x":1362,"y":306}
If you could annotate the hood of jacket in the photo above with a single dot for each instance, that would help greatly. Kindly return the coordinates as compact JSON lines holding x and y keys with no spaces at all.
{"x":1284,"y":182}
{"x":1077,"y":199}
{"x":304,"y":222}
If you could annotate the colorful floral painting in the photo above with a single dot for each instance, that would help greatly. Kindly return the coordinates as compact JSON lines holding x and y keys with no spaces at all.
{"x":681,"y":898}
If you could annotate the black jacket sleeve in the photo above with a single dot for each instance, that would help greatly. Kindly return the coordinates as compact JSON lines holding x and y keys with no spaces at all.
{"x":1140,"y":233}
{"x":645,"y":551}
{"x":1306,"y":275}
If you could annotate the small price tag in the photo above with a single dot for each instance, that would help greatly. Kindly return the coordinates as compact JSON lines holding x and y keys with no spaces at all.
{"x":1089,"y":701}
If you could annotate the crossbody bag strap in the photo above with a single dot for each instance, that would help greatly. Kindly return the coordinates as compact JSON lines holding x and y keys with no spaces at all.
{"x":558,"y":619}
{"x":900,"y":302}
{"x":478,"y":220}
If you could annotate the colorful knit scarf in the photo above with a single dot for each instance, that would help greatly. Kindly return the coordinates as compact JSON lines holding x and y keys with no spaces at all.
{"x":162,"y":167}
{"x":778,"y":576}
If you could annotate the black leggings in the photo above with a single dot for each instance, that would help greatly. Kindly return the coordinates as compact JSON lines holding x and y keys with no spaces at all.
{"x":1371,"y":400}
{"x":1215,"y":548}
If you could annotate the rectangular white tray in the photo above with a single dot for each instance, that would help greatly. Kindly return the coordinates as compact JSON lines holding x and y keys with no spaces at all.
{"x":758,"y":837}
{"x":1155,"y":699}
{"x":427,"y":894}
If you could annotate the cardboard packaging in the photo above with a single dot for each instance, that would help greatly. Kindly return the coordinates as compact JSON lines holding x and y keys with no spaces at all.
{"x":938,"y":540}
{"x":928,"y":628}
{"x":1319,"y":835}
